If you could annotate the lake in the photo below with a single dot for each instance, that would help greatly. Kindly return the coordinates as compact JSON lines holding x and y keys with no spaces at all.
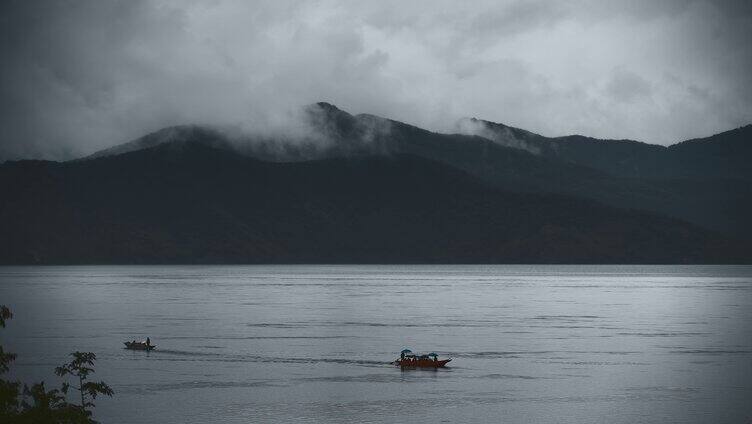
{"x":543,"y":344}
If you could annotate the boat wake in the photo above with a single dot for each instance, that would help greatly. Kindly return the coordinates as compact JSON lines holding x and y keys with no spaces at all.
{"x":219,"y":357}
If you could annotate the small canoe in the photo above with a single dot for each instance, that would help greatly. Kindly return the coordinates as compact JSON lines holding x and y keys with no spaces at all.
{"x":139,"y":346}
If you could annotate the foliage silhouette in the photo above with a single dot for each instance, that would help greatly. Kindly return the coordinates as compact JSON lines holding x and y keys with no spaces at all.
{"x":36,"y":404}
{"x":80,"y":367}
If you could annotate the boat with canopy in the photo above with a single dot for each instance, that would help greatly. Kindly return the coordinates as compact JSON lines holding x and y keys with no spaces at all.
{"x":431,"y":360}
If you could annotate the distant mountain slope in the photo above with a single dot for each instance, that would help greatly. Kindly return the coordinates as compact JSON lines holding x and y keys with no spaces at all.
{"x":337,"y":134}
{"x":178,"y":134}
{"x":726,"y":155}
{"x":706,"y":181}
{"x":722,"y":156}
{"x":703,"y":181}
{"x":622,"y":173}
{"x":192,"y":203}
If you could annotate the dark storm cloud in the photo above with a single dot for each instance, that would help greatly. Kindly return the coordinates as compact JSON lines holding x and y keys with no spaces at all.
{"x":82,"y":75}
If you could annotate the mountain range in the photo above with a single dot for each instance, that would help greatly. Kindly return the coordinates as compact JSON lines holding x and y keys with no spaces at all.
{"x":365,"y":189}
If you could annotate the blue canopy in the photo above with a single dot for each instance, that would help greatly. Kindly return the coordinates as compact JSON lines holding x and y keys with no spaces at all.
{"x":406,"y":351}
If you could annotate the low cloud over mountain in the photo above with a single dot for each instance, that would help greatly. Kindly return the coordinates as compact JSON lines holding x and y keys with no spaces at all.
{"x":361,"y":188}
{"x":81,"y":76}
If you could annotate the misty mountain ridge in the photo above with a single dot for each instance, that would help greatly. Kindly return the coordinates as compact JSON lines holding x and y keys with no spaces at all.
{"x":329,"y":132}
{"x":704,"y":181}
{"x":321,"y":130}
{"x":360,"y":188}
{"x":182,"y":134}
{"x":721,"y":155}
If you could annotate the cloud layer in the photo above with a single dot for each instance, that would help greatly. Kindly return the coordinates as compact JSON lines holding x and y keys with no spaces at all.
{"x":78,"y":76}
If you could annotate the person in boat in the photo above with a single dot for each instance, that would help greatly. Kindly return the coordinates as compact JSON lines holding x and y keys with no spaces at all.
{"x":148,"y":342}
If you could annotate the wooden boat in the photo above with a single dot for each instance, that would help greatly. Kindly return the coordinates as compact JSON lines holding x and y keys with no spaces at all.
{"x":421,"y":363}
{"x":139,"y":346}
{"x":410,"y":360}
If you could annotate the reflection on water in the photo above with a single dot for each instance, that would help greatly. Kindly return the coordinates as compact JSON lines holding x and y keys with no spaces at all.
{"x":237,"y":344}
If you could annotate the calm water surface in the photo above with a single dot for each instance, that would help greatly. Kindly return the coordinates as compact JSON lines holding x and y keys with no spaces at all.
{"x":550,"y":344}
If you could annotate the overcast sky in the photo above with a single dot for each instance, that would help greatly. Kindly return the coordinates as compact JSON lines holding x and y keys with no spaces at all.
{"x":78,"y":76}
